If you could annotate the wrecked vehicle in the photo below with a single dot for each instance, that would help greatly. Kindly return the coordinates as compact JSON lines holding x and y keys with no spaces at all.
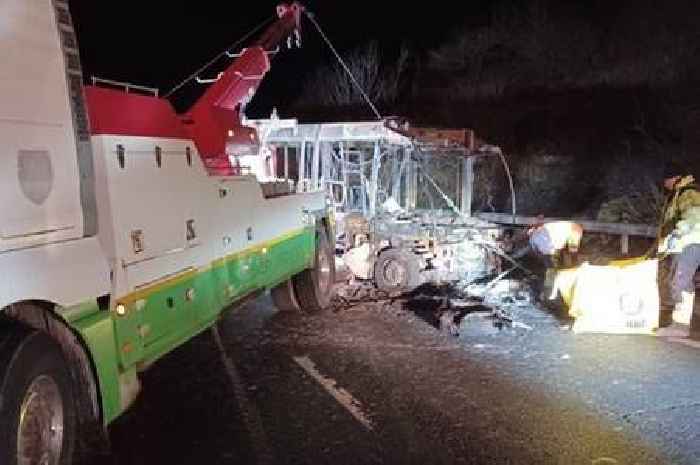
{"x":403,"y":250}
{"x":402,"y":195}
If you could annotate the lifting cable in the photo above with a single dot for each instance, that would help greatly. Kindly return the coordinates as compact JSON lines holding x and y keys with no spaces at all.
{"x":256,"y":29}
{"x":217,"y":57}
{"x":380,"y":118}
{"x":345,"y":67}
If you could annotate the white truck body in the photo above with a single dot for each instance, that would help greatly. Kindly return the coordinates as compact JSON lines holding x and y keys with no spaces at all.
{"x":115,"y":241}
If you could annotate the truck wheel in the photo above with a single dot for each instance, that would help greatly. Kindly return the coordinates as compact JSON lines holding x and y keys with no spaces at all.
{"x":284,"y":297}
{"x":37,"y":407}
{"x":396,"y":271}
{"x":314,"y":287}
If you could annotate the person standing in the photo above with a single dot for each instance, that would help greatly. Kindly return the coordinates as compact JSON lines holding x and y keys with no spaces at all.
{"x":679,"y":244}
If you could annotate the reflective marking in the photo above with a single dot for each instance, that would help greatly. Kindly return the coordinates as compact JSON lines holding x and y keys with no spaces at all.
{"x":342,"y":396}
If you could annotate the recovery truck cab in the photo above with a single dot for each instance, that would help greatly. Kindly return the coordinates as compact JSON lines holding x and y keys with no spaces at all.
{"x":126,"y":229}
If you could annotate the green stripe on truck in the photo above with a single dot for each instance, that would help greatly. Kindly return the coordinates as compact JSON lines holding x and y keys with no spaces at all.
{"x":168,"y":313}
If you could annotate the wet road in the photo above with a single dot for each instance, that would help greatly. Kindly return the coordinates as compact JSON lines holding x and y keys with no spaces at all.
{"x":378,"y":384}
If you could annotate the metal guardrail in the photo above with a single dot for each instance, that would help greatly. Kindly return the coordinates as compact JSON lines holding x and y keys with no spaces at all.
{"x":624,"y":230}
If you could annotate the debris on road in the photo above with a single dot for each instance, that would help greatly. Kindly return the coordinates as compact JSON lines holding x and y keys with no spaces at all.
{"x":449,"y":307}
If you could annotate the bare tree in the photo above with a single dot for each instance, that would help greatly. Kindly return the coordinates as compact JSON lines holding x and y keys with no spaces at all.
{"x":382,"y":81}
{"x":542,"y":44}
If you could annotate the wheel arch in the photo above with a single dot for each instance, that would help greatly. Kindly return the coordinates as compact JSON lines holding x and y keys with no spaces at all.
{"x":45,"y":316}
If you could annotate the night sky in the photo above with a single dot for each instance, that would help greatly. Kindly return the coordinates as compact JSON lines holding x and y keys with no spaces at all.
{"x":159,"y":43}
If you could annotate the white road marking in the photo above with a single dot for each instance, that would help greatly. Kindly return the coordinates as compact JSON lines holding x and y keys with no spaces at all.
{"x":249,"y":412}
{"x":342,"y":396}
{"x":604,"y":461}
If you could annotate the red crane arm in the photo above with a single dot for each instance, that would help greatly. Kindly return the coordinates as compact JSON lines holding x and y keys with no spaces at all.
{"x":214,"y":121}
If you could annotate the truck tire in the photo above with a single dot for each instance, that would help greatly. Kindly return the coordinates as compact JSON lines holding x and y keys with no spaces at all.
{"x":37,"y":405}
{"x":314,"y":287}
{"x":284,"y":297}
{"x":396,"y":271}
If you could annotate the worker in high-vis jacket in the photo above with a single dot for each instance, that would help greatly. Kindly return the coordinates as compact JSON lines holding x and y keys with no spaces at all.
{"x":557,"y":244}
{"x":679,"y":242}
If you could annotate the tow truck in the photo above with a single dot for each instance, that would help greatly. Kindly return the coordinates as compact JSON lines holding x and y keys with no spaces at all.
{"x":127,"y":228}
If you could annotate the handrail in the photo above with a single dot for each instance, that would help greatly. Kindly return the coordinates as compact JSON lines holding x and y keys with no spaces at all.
{"x":239,"y":54}
{"x":126,"y":85}
{"x":208,"y":81}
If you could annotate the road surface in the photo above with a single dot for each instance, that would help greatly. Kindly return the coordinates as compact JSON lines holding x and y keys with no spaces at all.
{"x":379,"y":384}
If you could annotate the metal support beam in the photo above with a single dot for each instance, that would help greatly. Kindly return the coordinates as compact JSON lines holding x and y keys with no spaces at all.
{"x":315,"y":175}
{"x":396,"y":166}
{"x":346,"y":177}
{"x":376,"y":162}
{"x":363,"y":182}
{"x":326,"y":163}
{"x":412,"y":176}
{"x":404,"y":179}
{"x":302,"y":167}
{"x":467,"y":186}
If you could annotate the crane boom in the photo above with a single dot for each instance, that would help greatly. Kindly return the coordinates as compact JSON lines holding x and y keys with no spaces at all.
{"x":214,"y":121}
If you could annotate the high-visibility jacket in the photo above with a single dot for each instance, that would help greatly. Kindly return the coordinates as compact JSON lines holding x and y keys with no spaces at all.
{"x":550,"y":238}
{"x":681,"y":217}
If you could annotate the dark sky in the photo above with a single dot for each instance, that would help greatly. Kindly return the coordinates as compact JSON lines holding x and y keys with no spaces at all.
{"x":159,"y":43}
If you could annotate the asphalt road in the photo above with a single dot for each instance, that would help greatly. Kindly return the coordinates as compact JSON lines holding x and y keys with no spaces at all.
{"x":380,"y":384}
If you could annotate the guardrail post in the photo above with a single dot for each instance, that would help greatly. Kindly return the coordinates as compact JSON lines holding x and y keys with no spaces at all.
{"x":625,"y":244}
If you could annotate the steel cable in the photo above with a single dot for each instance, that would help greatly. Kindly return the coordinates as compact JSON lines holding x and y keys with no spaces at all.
{"x":345,"y":67}
{"x":216,"y":58}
